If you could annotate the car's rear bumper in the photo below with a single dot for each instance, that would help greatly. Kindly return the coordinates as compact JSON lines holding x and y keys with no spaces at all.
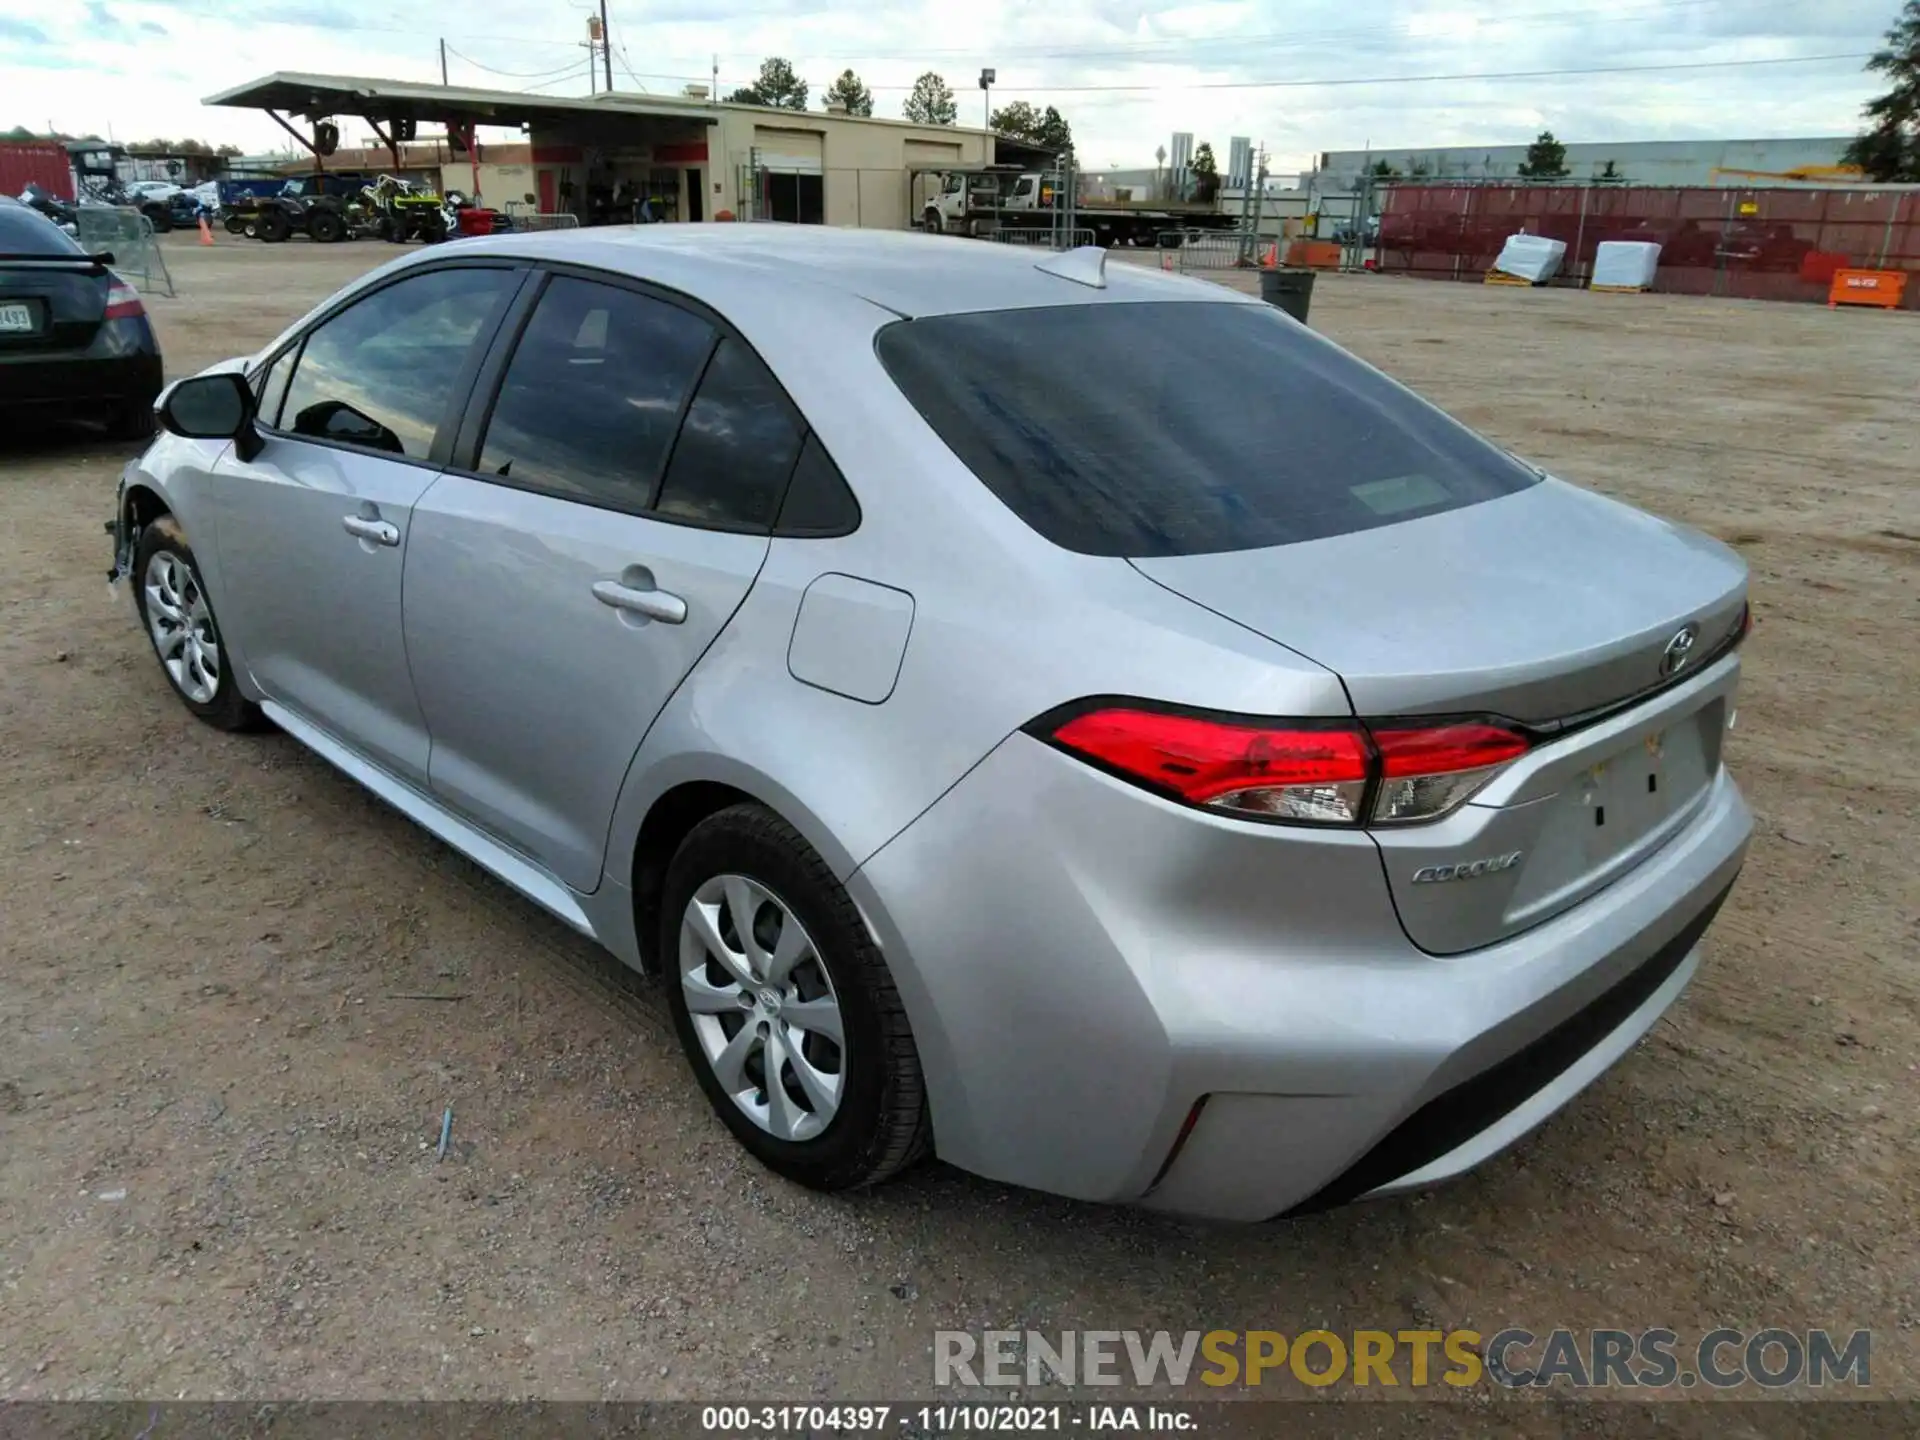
{"x":1084,"y":965}
{"x":121,"y":364}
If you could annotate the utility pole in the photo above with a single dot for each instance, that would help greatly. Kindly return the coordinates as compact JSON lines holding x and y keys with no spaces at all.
{"x":443,"y":61}
{"x":606,"y":46}
{"x":714,"y":92}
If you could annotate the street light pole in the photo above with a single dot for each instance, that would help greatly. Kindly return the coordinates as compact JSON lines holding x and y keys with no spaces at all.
{"x":987,"y":77}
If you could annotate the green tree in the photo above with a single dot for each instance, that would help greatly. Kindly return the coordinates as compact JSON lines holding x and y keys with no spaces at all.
{"x":1546,"y":159}
{"x":931,"y":102}
{"x":1042,"y":127}
{"x":1888,"y":150}
{"x":1055,"y":133}
{"x":850,"y":92}
{"x":1206,"y":174}
{"x":777,"y":86}
{"x":20,"y":132}
{"x":1017,"y":118}
{"x":1383,"y":171}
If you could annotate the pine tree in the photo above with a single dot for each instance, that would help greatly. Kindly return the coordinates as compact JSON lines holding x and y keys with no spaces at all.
{"x":1206,"y":173}
{"x":777,"y":86}
{"x":850,"y":92}
{"x":931,"y":102}
{"x":1546,"y":159}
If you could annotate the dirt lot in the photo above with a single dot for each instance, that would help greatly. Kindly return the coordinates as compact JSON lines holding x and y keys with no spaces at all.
{"x":217,"y":1110}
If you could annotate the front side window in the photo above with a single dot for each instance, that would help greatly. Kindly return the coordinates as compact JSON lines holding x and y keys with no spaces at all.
{"x":590,"y":400}
{"x":380,"y":375}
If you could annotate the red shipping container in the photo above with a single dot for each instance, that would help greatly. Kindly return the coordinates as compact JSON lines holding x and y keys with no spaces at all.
{"x":38,"y":162}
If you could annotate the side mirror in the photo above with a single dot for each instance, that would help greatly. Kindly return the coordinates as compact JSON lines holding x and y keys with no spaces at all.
{"x":212,"y":407}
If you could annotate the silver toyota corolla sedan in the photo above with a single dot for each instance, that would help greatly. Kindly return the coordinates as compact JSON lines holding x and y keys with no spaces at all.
{"x":1059,"y":716}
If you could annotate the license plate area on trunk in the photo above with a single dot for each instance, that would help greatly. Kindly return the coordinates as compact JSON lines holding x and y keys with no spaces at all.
{"x":1566,"y":821}
{"x":19,"y":317}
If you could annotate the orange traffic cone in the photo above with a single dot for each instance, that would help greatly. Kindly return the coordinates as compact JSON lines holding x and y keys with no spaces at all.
{"x":1271,"y":260}
{"x":1166,"y":260}
{"x":206,"y":231}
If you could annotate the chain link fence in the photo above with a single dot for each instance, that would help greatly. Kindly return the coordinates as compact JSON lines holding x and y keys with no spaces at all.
{"x":1767,"y":244}
{"x":128,"y":234}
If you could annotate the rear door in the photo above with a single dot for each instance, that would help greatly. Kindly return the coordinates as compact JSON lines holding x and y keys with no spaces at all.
{"x":613,"y":512}
{"x":312,"y":530}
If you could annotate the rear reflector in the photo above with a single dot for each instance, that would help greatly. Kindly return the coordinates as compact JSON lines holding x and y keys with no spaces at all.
{"x":1298,"y":771}
{"x":123,"y":301}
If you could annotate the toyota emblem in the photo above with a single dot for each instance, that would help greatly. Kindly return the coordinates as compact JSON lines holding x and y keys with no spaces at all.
{"x":1674,"y":658}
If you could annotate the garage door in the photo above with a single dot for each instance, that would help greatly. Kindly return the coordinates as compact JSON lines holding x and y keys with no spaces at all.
{"x":796,"y":152}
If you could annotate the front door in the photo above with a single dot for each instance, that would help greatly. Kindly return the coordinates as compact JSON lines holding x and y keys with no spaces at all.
{"x":559,"y":590}
{"x":312,"y":531}
{"x":696,"y":197}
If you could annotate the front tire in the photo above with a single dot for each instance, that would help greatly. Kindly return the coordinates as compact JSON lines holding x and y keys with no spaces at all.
{"x":178,"y":615}
{"x":934,"y":223}
{"x":785,"y":1007}
{"x":273,"y":226}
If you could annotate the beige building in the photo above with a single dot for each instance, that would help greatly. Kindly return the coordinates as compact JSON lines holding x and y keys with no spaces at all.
{"x":618,"y":157}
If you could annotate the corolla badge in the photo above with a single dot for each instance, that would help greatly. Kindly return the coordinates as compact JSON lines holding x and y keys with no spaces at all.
{"x":1467,"y":869}
{"x":1674,"y":657}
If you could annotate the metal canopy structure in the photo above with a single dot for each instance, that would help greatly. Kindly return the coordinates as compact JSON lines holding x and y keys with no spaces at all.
{"x":314,"y":97}
{"x":400,"y":106}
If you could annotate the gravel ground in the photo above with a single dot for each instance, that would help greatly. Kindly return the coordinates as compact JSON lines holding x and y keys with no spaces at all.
{"x":218,"y":1109}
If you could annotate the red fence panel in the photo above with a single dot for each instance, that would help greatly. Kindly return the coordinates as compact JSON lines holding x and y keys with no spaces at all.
{"x":1773,"y":244}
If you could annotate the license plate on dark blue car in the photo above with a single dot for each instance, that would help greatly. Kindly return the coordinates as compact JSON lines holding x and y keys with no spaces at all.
{"x":16,"y":318}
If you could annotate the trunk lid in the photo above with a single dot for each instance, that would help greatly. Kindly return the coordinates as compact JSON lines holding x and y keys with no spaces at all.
{"x":1541,"y":607}
{"x":65,"y":303}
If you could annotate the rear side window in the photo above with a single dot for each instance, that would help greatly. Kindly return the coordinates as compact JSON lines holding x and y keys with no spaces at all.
{"x":595,"y":388}
{"x":737,"y":448}
{"x":1184,"y":428}
{"x":25,"y":231}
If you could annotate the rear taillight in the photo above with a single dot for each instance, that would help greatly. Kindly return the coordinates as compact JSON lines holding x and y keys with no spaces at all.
{"x":1278,"y":772}
{"x":123,"y":301}
{"x":1299,"y":771}
{"x":1425,"y":773}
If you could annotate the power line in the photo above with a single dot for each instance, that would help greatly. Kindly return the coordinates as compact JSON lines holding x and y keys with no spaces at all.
{"x":1408,"y":79}
{"x":513,"y":74}
{"x":1150,"y":46}
{"x":626,"y":64}
{"x":581,"y":70}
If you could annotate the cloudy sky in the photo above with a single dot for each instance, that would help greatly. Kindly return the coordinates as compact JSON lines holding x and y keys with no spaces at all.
{"x":1299,"y":75}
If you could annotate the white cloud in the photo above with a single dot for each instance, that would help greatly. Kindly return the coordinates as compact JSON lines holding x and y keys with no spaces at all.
{"x":141,"y":67}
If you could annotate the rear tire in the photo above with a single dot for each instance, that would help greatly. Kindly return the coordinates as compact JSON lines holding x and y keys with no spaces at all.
{"x":178,"y":616}
{"x":851,"y":1100}
{"x":327,"y":227}
{"x":273,"y":227}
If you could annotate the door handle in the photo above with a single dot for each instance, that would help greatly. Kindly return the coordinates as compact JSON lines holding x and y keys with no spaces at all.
{"x":654,"y":604}
{"x":380,"y":532}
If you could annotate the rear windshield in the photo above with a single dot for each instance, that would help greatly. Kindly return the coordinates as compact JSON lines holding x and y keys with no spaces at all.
{"x":25,"y":231}
{"x":1184,"y":428}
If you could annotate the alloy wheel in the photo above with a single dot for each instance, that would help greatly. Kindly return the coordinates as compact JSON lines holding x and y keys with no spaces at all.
{"x":763,"y":1007}
{"x":182,"y":626}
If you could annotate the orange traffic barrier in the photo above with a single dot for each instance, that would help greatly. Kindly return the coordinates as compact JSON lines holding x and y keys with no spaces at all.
{"x":206,"y":231}
{"x":1881,"y":288}
{"x":1314,"y":255}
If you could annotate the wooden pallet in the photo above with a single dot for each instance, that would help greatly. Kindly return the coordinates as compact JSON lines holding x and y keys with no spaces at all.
{"x":1495,"y":277}
{"x":1620,"y":289}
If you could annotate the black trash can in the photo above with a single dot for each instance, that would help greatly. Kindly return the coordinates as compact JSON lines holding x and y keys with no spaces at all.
{"x":1288,"y":290}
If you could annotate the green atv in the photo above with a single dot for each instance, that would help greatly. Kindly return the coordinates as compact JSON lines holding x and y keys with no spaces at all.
{"x":400,"y":211}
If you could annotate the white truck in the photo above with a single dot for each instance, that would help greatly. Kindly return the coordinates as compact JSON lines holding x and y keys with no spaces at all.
{"x":979,"y":202}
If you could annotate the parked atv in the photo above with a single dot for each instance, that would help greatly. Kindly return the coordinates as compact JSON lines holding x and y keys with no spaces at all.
{"x":402,"y":211}
{"x":321,"y":207}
